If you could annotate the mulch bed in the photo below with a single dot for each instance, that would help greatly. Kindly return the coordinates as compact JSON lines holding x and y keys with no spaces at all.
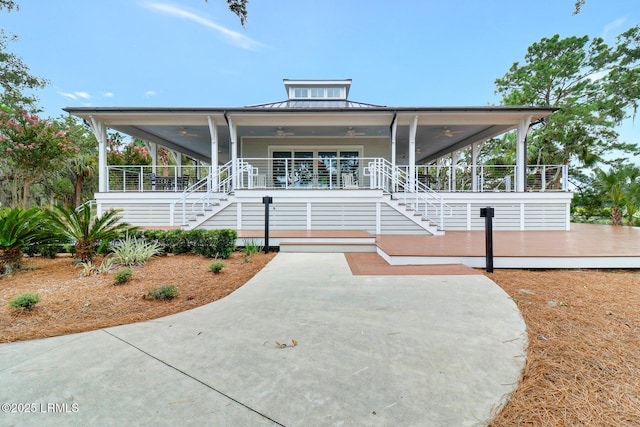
{"x":583,"y":365}
{"x":72,"y":303}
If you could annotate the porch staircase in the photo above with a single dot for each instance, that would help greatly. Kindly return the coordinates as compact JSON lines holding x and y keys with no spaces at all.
{"x":409,"y":210}
{"x":198,"y":217}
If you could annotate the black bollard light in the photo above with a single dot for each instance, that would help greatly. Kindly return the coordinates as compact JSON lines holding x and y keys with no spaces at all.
{"x":266,"y":200}
{"x":488,"y":213}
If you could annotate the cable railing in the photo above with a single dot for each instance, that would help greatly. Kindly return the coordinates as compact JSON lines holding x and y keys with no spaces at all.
{"x":147,"y":178}
{"x":414,"y":194}
{"x":497,"y":178}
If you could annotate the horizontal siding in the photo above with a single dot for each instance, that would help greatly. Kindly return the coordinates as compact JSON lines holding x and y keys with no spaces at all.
{"x":351,"y":216}
{"x":545,"y":216}
{"x":394,"y":222}
{"x":283,"y":216}
{"x":141,"y":214}
{"x":458,"y":218}
{"x":226,"y":218}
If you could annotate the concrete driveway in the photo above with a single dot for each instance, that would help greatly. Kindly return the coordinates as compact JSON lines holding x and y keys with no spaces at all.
{"x":372,"y":350}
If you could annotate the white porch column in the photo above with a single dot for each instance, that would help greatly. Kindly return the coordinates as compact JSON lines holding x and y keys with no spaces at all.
{"x":412,"y":152}
{"x":178,"y":157}
{"x":215,"y":176}
{"x":100,"y":131}
{"x":521,"y":154}
{"x":153,"y":150}
{"x":234,"y":153}
{"x":475,"y":149}
{"x":454,"y":162}
{"x":394,"y":131}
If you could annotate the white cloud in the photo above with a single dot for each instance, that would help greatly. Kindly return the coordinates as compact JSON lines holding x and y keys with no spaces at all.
{"x":75,"y":95}
{"x":108,"y":94}
{"x":67,"y":95}
{"x":233,"y":37}
{"x":612,"y":26}
{"x":150,"y":93}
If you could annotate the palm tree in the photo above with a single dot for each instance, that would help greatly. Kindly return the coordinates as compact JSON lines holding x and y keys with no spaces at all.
{"x":20,"y":228}
{"x":87,"y":231}
{"x":615,"y":184}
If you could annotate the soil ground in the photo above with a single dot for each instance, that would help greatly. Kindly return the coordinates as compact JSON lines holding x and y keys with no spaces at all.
{"x":583,"y":325}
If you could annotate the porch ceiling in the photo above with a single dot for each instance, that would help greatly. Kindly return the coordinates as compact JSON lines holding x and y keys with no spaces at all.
{"x":440,"y":130}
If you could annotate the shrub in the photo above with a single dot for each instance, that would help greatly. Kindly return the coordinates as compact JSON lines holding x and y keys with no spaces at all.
{"x":21,"y":228}
{"x":162,"y":292}
{"x":213,"y":243}
{"x":123,"y":275}
{"x":25,"y":301}
{"x":134,"y":251}
{"x":216,"y":266}
{"x":86,"y":230}
{"x":177,"y":241}
{"x":251,"y":247}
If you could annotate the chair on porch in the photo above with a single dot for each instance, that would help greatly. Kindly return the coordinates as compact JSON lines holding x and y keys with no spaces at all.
{"x":260,"y":181}
{"x":348,"y":181}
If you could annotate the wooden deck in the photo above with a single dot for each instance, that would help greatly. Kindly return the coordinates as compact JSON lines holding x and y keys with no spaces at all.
{"x":585,"y":246}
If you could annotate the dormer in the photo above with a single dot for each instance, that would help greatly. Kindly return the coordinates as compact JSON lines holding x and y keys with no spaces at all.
{"x":317,"y":89}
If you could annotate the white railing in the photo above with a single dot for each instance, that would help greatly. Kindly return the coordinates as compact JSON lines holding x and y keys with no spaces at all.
{"x":148,"y":178}
{"x":460,"y":178}
{"x":304,"y":173}
{"x":413,"y":193}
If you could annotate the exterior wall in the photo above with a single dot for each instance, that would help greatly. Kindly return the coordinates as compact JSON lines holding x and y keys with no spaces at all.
{"x":348,"y":209}
{"x":513,"y":211}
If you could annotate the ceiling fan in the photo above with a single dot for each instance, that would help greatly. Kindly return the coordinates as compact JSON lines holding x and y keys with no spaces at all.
{"x":352,"y":132}
{"x":449,"y":133}
{"x":281,"y":132}
{"x":183,"y":132}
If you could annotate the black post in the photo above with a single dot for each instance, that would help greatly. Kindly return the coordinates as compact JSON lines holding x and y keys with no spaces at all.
{"x":487,"y":213}
{"x":266,"y":200}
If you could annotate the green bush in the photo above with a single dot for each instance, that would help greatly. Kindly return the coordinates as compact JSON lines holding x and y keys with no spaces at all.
{"x":213,"y":243}
{"x":216,"y":266}
{"x":25,"y":301}
{"x":251,"y":247}
{"x":178,"y":242}
{"x":123,"y":275}
{"x":134,"y":251}
{"x":162,"y":292}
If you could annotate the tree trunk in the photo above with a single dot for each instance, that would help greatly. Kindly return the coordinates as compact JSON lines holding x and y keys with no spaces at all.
{"x":616,"y":215}
{"x":77,"y":190}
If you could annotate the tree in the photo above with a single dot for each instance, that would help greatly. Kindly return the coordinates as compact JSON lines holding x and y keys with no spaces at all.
{"x":578,"y":76}
{"x":239,"y":7}
{"x":14,"y":74}
{"x":619,"y":186}
{"x":30,"y":147}
{"x":578,"y":6}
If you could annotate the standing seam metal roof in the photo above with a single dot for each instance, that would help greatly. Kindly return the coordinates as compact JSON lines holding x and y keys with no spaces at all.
{"x":315,"y":103}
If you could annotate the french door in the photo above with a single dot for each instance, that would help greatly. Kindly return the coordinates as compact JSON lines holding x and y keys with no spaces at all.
{"x":313,"y":168}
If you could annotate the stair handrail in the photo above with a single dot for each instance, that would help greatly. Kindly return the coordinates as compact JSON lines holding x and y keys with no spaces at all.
{"x":396,"y":180}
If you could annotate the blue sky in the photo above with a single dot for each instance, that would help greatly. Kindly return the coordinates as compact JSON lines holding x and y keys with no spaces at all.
{"x":192,"y":53}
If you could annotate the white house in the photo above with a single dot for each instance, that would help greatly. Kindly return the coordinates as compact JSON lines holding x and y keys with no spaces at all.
{"x":329,"y":163}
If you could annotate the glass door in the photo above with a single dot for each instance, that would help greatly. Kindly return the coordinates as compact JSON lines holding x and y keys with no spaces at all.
{"x":327,"y":169}
{"x":303,"y":170}
{"x":281,"y":168}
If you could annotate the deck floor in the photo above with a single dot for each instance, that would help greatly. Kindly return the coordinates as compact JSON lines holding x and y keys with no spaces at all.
{"x":583,"y":240}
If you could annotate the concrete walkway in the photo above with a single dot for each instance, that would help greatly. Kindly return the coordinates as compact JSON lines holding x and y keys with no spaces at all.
{"x":372,"y":350}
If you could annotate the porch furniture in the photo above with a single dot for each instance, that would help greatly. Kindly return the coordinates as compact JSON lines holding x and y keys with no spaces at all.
{"x":168,"y":183}
{"x":348,"y":181}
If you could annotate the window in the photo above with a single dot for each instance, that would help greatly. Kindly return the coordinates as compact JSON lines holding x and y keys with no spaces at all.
{"x":334,"y":92}
{"x":301,"y":92}
{"x":318,"y":92}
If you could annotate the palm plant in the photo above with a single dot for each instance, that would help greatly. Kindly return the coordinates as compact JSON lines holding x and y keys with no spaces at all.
{"x":85,"y":230}
{"x":20,"y":228}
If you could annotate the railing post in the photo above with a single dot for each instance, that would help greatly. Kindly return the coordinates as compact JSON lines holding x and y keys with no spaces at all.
{"x":544,"y":178}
